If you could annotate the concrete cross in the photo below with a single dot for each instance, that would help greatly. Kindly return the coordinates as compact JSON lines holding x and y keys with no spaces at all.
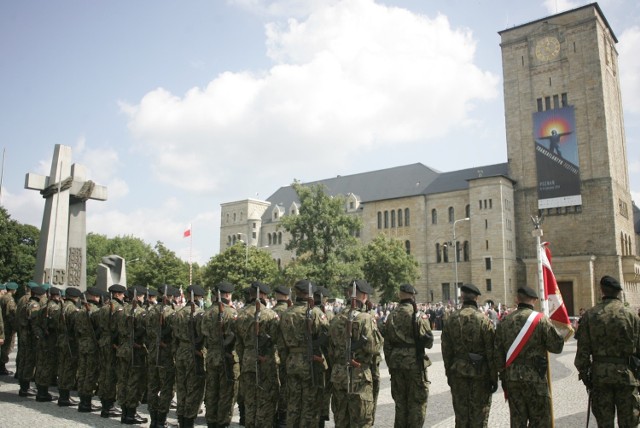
{"x":62,"y":251}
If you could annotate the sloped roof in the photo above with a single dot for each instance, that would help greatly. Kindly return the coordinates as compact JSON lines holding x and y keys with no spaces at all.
{"x":390,"y":183}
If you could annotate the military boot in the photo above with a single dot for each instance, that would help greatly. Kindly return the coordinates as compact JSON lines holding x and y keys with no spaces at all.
{"x":43,"y":395}
{"x":212,"y":425}
{"x":26,"y":390}
{"x":4,"y":371}
{"x":161,"y":420}
{"x":86,"y":406}
{"x":131,"y":417}
{"x":65,"y":399}
{"x":109,"y":410}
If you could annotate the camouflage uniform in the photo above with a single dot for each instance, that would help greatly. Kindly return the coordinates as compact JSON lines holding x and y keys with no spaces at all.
{"x":222,"y":377}
{"x":261,"y":399}
{"x":525,"y":379}
{"x":27,"y":311}
{"x":190,"y":376}
{"x":88,"y":354}
{"x":22,"y":331}
{"x":304,"y":399}
{"x":46,"y":330}
{"x":107,"y":333}
{"x":469,"y":363}
{"x":409,"y":381}
{"x":161,"y":369}
{"x":8,"y":305}
{"x":67,"y":352}
{"x":280,"y":307}
{"x":353,"y":408}
{"x":327,"y":392}
{"x":608,"y":336}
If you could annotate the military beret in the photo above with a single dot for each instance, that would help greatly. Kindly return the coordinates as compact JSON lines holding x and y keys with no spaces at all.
{"x":12,"y":285}
{"x":528,"y":291}
{"x":470,"y":288}
{"x":32,"y":284}
{"x":117,"y":288}
{"x":72,"y":292}
{"x":94,"y":291}
{"x":3,"y":286}
{"x":105,"y":295}
{"x":303,"y":285}
{"x":225,"y":287}
{"x":408,"y":288}
{"x":264,"y":288}
{"x":55,"y":291}
{"x":322,"y":291}
{"x":246,"y":291}
{"x":162,"y":287}
{"x":38,"y":291}
{"x":140,"y":290}
{"x":196,"y":289}
{"x":152,"y":292}
{"x":363,"y":286}
{"x":611,"y":282}
{"x":174,"y":291}
{"x":281,"y":289}
{"x":46,"y":286}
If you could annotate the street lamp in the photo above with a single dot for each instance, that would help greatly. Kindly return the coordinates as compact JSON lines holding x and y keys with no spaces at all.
{"x":455,"y":258}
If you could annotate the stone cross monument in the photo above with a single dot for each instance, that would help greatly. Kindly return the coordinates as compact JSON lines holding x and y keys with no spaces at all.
{"x":62,"y":250}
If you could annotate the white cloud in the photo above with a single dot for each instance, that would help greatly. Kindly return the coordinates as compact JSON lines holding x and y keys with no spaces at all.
{"x":353,"y":76}
{"x":297,"y":8}
{"x":629,"y":62}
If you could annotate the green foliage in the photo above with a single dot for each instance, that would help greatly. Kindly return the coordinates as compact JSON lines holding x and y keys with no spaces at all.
{"x":323,"y":239}
{"x":240,"y":265}
{"x":18,"y":249}
{"x":387,"y":266}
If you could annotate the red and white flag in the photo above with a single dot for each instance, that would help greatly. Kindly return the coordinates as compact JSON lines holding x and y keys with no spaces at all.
{"x":187,"y":233}
{"x":557,"y":310}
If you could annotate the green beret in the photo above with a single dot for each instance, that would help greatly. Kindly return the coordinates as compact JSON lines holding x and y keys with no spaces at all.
{"x":46,"y":286}
{"x":32,"y":284}
{"x":3,"y":286}
{"x":12,"y":285}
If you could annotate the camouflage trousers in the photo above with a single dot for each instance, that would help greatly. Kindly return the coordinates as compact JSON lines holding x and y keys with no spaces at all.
{"x":67,"y":367}
{"x":355,"y":408}
{"x":161,"y":382}
{"x":27,"y":352}
{"x":282,"y":396}
{"x":304,"y":401}
{"x":107,"y":380}
{"x":607,"y":399}
{"x":221,"y":393}
{"x":7,"y":346}
{"x":88,"y":372}
{"x":47,"y":362}
{"x":471,"y":401}
{"x":189,"y":385}
{"x":529,"y":404}
{"x":260,"y":402}
{"x":131,"y":383}
{"x":410,"y":392}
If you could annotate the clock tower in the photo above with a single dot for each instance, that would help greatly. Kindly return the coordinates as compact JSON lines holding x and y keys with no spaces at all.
{"x":567,"y":152}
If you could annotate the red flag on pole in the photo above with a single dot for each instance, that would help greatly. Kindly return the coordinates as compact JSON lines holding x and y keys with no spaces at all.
{"x":187,"y":233}
{"x":557,"y":310}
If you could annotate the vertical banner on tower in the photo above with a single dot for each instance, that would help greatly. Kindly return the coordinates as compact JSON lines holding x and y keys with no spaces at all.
{"x":557,"y":162}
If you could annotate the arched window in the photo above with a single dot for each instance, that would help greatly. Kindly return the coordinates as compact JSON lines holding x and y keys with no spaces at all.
{"x":407,"y":246}
{"x":445,"y":253}
{"x":458,"y":251}
{"x":393,"y":218}
{"x":451,"y":215}
{"x":234,"y":239}
{"x":399,"y":218}
{"x":229,"y":241}
{"x":467,"y":211}
{"x":407,"y":218}
{"x":269,"y":238}
{"x":438,"y":253}
{"x":379,"y":219}
{"x":386,"y":219}
{"x":279,"y":238}
{"x":465,"y":251}
{"x":434,"y":216}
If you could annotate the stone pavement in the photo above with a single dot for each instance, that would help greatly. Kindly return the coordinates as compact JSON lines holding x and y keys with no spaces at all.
{"x":569,"y":397}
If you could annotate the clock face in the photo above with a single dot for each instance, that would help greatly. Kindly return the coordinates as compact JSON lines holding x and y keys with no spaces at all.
{"x":547,"y":48}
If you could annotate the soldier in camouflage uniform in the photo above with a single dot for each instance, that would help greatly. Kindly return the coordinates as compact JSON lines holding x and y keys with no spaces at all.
{"x":27,"y":309}
{"x":608,"y":357}
{"x":8,"y":305}
{"x":351,"y":378}
{"x":320,"y":297}
{"x":248,"y":300}
{"x":300,"y":325}
{"x":407,"y":332}
{"x":132,"y":356}
{"x":107,"y":332}
{"x":524,"y":380}
{"x":67,"y":347}
{"x":283,"y":303}
{"x":468,"y":352}
{"x":186,"y":326}
{"x":223,"y":367}
{"x":46,"y":330}
{"x":88,"y":350}
{"x":257,"y":332}
{"x":161,"y":369}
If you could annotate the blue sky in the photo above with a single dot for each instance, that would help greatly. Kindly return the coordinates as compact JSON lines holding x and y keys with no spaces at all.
{"x":177,"y":107}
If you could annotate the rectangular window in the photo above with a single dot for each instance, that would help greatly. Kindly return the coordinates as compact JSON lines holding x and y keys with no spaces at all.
{"x":379,"y":220}
{"x":490,"y":203}
{"x":480,"y":203}
{"x":254,"y":225}
{"x":556,"y":101}
{"x":539,"y":104}
{"x":386,"y":219}
{"x":486,"y":243}
{"x":547,"y":103}
{"x":487,"y":263}
{"x":253,"y":235}
{"x":445,"y":292}
{"x":393,"y":218}
{"x":488,"y":281}
{"x":563,"y":97}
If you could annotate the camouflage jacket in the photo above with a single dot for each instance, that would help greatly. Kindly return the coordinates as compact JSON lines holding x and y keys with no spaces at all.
{"x":183,"y":329}
{"x":528,"y":367}
{"x":44,"y":322}
{"x":130,"y":324}
{"x":400,"y":336}
{"x":468,"y":344}
{"x":246,"y":331}
{"x":8,"y":311}
{"x":294,"y":330}
{"x":105,"y":323}
{"x":66,"y":318}
{"x":608,"y":336}
{"x":84,"y":330}
{"x":219,"y":335}
{"x":158,"y":320}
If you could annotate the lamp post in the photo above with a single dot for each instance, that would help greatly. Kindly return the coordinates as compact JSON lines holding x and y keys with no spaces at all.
{"x":246,"y":252}
{"x":455,"y":258}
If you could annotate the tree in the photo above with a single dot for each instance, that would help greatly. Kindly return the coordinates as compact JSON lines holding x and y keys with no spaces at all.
{"x":387,"y":265}
{"x":323,"y":237}
{"x":18,"y":249}
{"x":240,"y":266}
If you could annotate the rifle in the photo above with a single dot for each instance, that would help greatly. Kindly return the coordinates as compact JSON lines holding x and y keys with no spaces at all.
{"x":289,"y":301}
{"x":160,"y":324}
{"x":588,"y":408}
{"x":256,"y":324}
{"x":132,"y":316}
{"x":192,"y":326}
{"x":309,"y":335}
{"x":225,"y":365}
{"x":350,"y":361}
{"x":416,"y":340}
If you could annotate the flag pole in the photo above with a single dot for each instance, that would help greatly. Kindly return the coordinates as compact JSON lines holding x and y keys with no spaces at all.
{"x":544,"y":302}
{"x":190,"y":252}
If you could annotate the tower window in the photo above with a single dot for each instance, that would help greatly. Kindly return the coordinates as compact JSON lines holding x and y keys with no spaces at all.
{"x":547,"y":103}
{"x":539,"y":100}
{"x":563,"y":97}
